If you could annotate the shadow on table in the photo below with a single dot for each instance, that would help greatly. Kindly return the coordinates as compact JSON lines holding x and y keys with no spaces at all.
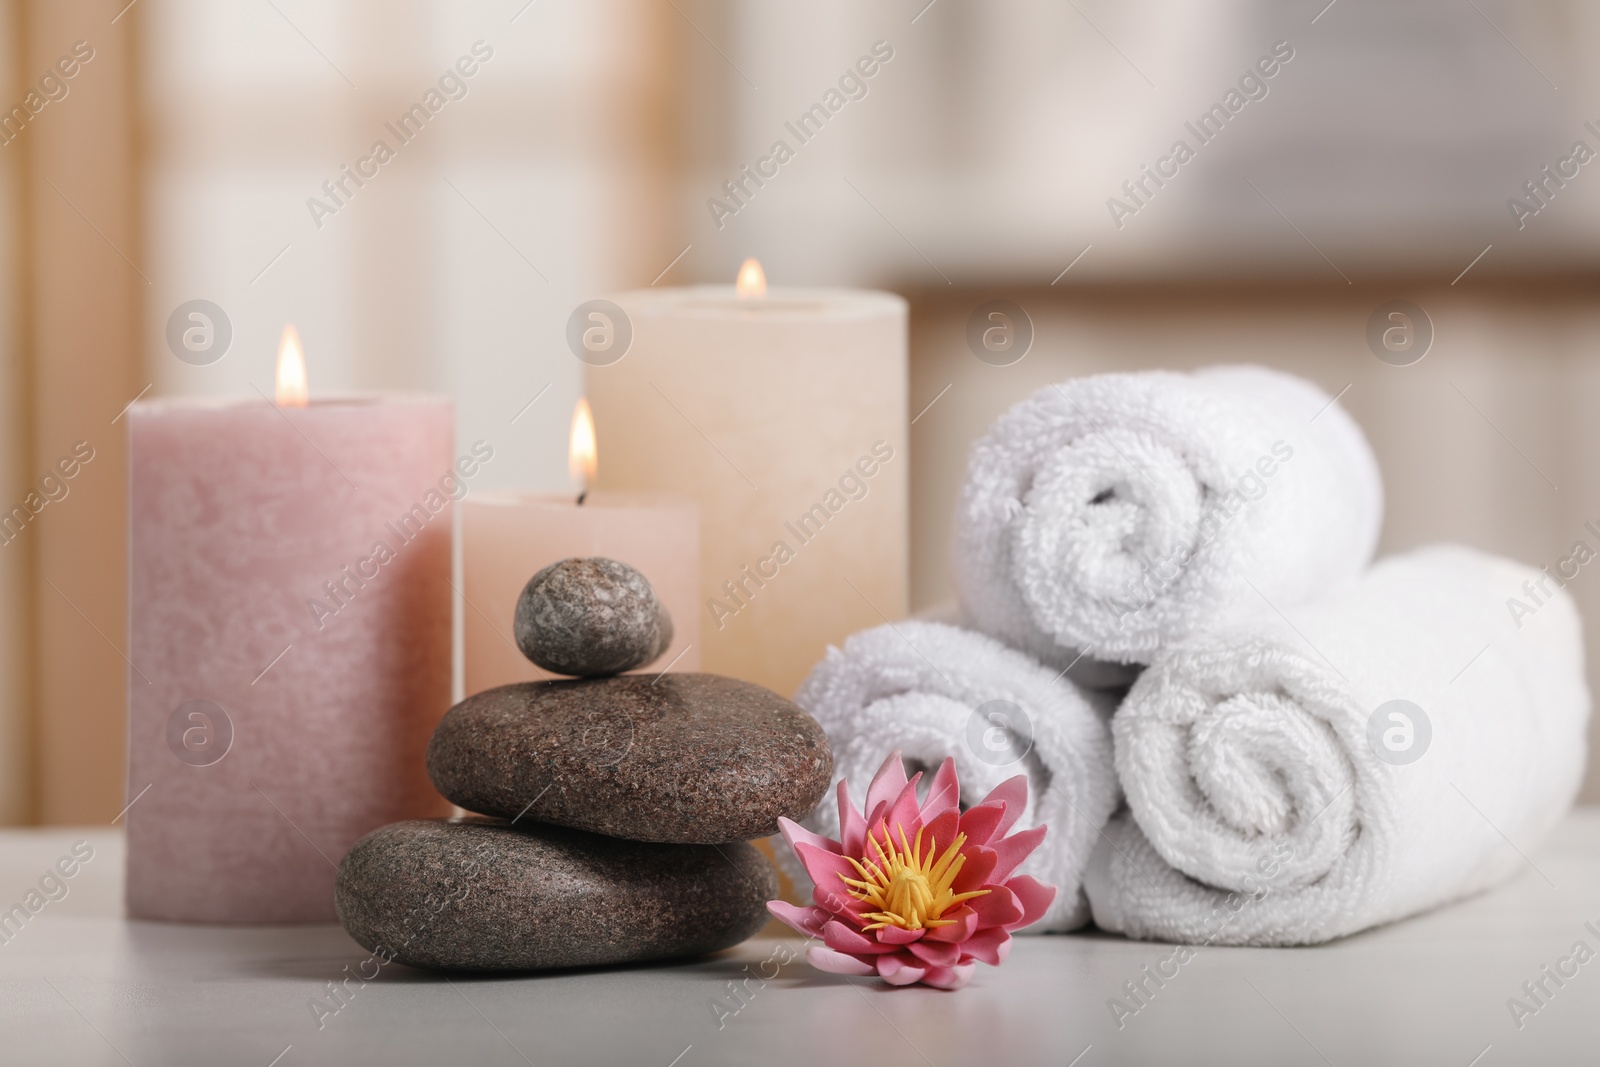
{"x":329,"y":963}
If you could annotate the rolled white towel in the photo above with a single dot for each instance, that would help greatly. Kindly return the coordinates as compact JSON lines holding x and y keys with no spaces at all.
{"x":1269,"y":797}
{"x":1087,"y":671}
{"x":932,"y":691}
{"x":1120,"y":513}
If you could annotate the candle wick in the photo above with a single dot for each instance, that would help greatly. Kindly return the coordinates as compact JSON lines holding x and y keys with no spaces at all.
{"x":581,"y":497}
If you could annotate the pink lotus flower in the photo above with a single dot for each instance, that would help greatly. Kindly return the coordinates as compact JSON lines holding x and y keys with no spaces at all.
{"x":917,"y":893}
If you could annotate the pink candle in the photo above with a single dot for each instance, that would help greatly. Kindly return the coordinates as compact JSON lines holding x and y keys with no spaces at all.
{"x":289,"y":643}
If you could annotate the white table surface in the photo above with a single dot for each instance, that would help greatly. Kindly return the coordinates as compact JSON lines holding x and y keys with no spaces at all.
{"x":82,"y":985}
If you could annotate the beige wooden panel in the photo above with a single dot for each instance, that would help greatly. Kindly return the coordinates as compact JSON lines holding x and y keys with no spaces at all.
{"x":86,"y":285}
{"x":16,"y":556}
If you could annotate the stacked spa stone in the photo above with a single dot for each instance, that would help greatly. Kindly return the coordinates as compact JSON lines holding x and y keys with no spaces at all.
{"x":614,"y":811}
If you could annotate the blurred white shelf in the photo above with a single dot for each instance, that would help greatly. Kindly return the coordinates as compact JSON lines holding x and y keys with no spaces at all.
{"x":79,"y":984}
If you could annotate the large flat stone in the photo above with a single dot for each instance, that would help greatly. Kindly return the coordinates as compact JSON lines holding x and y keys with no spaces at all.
{"x":680,"y":758}
{"x":488,"y":896}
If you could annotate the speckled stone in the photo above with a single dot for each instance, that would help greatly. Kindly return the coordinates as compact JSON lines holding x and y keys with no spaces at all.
{"x":679,"y":757}
{"x":591,"y":617}
{"x":483,"y":895}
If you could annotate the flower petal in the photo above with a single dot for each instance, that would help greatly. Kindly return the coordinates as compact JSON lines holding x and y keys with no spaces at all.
{"x":838,"y":902}
{"x":981,"y":823}
{"x":949,"y":977}
{"x":936,"y":953}
{"x":796,"y":834}
{"x":998,"y":907}
{"x":842,"y":938}
{"x":823,"y":865}
{"x":990,"y":946}
{"x":1011,"y":851}
{"x":898,"y":935}
{"x":825,"y":869}
{"x":806,"y":920}
{"x":944,"y":794}
{"x":825,"y":959}
{"x":938,"y":834}
{"x":1013,"y":792}
{"x":1036,"y":897}
{"x":852,"y":827}
{"x":966,"y":924}
{"x":905,"y":816}
{"x":896,"y":970}
{"x":975,"y":873}
{"x":875,"y":819}
{"x":887,"y":783}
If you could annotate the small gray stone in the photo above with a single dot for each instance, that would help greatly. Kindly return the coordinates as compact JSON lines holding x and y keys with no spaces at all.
{"x":484,"y":895}
{"x":591,"y":617}
{"x":681,"y":757}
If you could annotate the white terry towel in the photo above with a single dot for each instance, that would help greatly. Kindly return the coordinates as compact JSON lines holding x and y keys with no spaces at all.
{"x":1259,"y":809}
{"x":932,"y":691}
{"x":1087,"y":671}
{"x":1119,"y":513}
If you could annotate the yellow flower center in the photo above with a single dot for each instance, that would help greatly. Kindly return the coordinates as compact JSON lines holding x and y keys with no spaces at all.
{"x":909,"y":888}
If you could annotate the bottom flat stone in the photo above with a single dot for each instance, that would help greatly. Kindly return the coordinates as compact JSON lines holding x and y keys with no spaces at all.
{"x":483,"y":895}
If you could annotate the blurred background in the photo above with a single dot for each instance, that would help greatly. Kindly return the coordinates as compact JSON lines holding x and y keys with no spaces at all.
{"x":1427,"y":151}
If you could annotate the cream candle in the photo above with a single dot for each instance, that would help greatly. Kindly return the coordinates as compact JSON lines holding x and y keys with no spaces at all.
{"x":782,"y":413}
{"x":509,"y":537}
{"x":289,"y":640}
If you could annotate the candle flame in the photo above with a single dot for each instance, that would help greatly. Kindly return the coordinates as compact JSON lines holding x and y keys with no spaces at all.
{"x":752,"y":279}
{"x":582,"y":453}
{"x":292,"y":392}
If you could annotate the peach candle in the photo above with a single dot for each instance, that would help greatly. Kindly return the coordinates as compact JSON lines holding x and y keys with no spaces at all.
{"x":782,"y":413}
{"x":509,"y":537}
{"x":289,"y":641}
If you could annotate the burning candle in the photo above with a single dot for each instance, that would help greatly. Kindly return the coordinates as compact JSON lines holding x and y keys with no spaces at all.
{"x":782,"y":413}
{"x":289,"y":639}
{"x":752,"y":280}
{"x":582,"y":451}
{"x":509,"y":537}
